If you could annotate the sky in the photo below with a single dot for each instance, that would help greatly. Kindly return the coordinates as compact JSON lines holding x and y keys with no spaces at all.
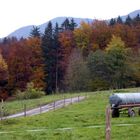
{"x":18,"y":13}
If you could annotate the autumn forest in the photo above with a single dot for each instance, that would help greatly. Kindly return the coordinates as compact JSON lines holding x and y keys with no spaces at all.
{"x":66,"y":58}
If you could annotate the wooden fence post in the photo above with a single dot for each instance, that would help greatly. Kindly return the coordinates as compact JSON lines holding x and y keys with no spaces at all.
{"x":78,"y":98}
{"x":54,"y":105}
{"x":24,"y":110}
{"x":108,"y":123}
{"x":64,"y":101}
{"x":40,"y":107}
{"x":86,"y":95}
{"x":71,"y":99}
{"x":1,"y":110}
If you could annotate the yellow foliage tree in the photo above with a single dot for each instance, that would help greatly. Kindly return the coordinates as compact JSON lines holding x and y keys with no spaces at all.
{"x":3,"y":78}
{"x":3,"y":69}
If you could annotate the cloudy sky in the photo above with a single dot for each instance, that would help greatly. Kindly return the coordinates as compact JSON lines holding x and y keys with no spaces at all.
{"x":17,"y":13}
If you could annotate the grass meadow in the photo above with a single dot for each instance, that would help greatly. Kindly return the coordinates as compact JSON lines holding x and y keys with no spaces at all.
{"x":80,"y":121}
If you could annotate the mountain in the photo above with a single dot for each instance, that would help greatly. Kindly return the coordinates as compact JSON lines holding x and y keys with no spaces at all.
{"x":132,"y":15}
{"x":25,"y":31}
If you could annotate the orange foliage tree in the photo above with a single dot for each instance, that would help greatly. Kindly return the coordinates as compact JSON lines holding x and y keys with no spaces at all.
{"x":3,"y":78}
{"x":66,"y":39}
{"x":37,"y":77}
{"x":25,"y":64}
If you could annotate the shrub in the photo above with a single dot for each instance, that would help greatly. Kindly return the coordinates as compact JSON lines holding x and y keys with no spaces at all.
{"x":120,"y":90}
{"x":98,"y":84}
{"x":29,"y":93}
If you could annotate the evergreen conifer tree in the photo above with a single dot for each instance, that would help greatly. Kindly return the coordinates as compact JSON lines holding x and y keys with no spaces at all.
{"x":119,"y":20}
{"x":136,"y":20}
{"x":66,"y":24}
{"x":112,"y":22}
{"x":57,"y":57}
{"x":73,"y":25}
{"x":128,"y":21}
{"x":35,"y":32}
{"x":49,"y":60}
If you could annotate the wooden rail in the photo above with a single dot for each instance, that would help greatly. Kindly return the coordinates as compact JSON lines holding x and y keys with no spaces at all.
{"x":126,"y":106}
{"x":129,"y":105}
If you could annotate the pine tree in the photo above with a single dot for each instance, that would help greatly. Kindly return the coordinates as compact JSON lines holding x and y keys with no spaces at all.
{"x":136,"y":20}
{"x":112,"y":22}
{"x":49,"y":58}
{"x":73,"y":25}
{"x":65,"y":25}
{"x":119,"y":20}
{"x":57,"y":57}
{"x":35,"y":32}
{"x":68,"y":25}
{"x":128,"y":20}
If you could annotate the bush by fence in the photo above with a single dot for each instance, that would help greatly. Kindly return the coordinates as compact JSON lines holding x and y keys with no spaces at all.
{"x":29,"y":93}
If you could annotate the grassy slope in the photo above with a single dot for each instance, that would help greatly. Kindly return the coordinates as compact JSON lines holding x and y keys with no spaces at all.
{"x":77,"y":118}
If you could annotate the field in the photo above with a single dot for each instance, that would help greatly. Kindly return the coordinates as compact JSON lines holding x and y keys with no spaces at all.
{"x":80,"y":121}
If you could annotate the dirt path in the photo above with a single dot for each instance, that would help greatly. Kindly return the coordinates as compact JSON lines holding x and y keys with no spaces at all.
{"x":48,"y":107}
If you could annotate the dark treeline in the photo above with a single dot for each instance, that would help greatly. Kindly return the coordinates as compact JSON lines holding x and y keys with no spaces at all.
{"x":95,"y":56}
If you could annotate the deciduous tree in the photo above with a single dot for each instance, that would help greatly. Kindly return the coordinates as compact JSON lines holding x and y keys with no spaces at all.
{"x":3,"y":78}
{"x":116,"y":57}
{"x":77,"y":73}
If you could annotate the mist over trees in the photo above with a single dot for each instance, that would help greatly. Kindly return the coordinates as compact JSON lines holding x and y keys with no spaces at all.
{"x":94,"y":56}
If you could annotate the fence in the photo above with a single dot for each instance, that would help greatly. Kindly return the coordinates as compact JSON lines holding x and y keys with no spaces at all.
{"x":28,"y":110}
{"x":1,"y":110}
{"x":108,"y":123}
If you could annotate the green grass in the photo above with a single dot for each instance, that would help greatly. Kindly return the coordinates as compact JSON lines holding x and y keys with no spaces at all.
{"x":74,"y":122}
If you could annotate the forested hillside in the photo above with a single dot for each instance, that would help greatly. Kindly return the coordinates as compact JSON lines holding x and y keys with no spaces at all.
{"x":94,"y":56}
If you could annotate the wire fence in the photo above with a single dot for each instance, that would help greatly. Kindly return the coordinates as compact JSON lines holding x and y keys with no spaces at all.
{"x":55,"y":102}
{"x":26,"y":109}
